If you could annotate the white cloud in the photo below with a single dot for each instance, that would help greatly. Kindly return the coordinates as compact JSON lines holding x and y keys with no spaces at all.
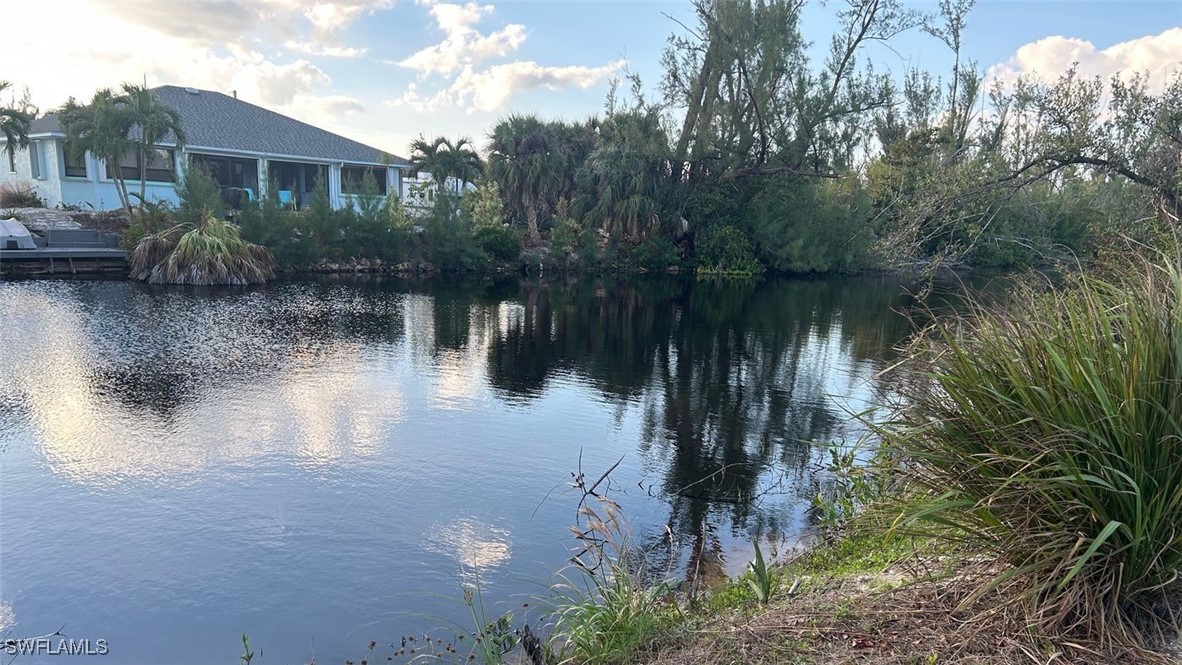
{"x":1157,"y":55}
{"x":463,"y":48}
{"x":491,"y":89}
{"x":79,"y":65}
{"x":463,"y":45}
{"x":315,"y":48}
{"x":328,"y":106}
{"x":312,"y":27}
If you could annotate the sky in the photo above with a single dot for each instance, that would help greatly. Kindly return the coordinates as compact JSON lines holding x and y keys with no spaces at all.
{"x":386,"y":71}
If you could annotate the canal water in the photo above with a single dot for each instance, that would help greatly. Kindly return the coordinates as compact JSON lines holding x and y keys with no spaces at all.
{"x":322,"y":463}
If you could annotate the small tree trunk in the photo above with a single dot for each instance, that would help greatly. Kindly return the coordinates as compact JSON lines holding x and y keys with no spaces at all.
{"x":531,"y":219}
{"x":143,"y":173}
{"x":120,"y":186}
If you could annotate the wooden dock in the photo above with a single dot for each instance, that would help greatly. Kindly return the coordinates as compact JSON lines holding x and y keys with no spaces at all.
{"x":67,"y":252}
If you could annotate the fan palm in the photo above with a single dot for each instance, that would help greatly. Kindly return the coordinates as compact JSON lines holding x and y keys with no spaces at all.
{"x":208,"y":252}
{"x":524,"y":164}
{"x":622,"y":181}
{"x":15,"y":123}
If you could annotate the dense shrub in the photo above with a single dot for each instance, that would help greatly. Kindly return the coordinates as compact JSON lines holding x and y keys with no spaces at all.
{"x":498,"y":242}
{"x":450,"y":243}
{"x":1049,"y":436}
{"x":19,"y":195}
{"x":150,"y":218}
{"x":199,"y":197}
{"x":807,"y":227}
{"x":725,"y":250}
{"x":655,"y":253}
{"x":284,"y":232}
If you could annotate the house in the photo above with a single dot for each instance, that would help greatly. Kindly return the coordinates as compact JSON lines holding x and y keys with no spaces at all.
{"x":418,"y":190}
{"x":242,"y":146}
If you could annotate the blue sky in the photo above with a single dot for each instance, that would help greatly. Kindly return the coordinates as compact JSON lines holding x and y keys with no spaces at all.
{"x":384,"y":71}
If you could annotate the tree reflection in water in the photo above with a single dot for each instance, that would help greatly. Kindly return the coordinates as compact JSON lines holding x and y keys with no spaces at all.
{"x":737,"y":380}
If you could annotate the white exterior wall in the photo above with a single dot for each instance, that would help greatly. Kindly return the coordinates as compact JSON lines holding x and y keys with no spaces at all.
{"x":48,"y":186}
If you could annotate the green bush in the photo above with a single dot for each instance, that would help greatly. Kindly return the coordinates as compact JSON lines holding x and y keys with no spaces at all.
{"x":725,"y":250}
{"x":1049,"y":436}
{"x":450,"y":243}
{"x":807,"y":227}
{"x":151,"y":218}
{"x":199,"y":197}
{"x":283,"y":232}
{"x":498,"y":242}
{"x":654,"y":254}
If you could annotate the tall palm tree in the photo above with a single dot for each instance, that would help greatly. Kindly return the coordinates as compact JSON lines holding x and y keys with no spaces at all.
{"x":623,"y":182}
{"x":154,"y":120}
{"x":444,"y":159}
{"x":100,"y":128}
{"x":15,"y":122}
{"x":523,"y":162}
{"x":467,"y":166}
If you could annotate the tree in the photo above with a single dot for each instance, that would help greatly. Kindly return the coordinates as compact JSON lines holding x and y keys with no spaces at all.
{"x":622,"y":185}
{"x":525,"y":165}
{"x":114,"y":125}
{"x":444,"y":159}
{"x":152,"y":120}
{"x":101,"y":128}
{"x":16,"y":120}
{"x":754,"y":106}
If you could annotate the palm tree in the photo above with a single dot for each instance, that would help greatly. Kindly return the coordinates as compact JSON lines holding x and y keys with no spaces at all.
{"x":524,"y":164}
{"x":155,"y":122}
{"x":622,"y":184}
{"x":444,"y":159}
{"x":15,"y":122}
{"x":100,"y":128}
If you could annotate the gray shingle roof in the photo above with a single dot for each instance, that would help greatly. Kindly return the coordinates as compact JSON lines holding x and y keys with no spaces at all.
{"x":214,"y":120}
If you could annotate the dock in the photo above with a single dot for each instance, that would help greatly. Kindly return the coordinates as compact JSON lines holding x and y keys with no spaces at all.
{"x":67,"y":252}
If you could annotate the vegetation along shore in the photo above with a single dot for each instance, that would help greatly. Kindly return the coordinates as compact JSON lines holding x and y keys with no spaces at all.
{"x":1017,"y":498}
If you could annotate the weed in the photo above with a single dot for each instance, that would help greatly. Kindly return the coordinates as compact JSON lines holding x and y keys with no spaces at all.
{"x":247,"y":654}
{"x":760,"y":579}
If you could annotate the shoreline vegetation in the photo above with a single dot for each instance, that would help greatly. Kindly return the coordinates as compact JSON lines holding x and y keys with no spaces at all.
{"x":1018,"y":504}
{"x":746,"y":156}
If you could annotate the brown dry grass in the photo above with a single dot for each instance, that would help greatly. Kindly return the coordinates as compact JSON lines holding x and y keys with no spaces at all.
{"x":890,"y":618}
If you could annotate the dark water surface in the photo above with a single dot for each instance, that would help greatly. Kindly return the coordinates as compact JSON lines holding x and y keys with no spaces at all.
{"x":322,"y":463}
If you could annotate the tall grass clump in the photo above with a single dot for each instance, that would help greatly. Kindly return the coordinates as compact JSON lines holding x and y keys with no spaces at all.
{"x":209,"y":252}
{"x":609,"y":611}
{"x":1048,"y":434}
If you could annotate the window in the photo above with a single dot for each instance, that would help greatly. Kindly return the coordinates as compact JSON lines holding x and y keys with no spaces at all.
{"x":35,"y":160}
{"x":75,"y":165}
{"x":353,"y":177}
{"x":160,"y":166}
